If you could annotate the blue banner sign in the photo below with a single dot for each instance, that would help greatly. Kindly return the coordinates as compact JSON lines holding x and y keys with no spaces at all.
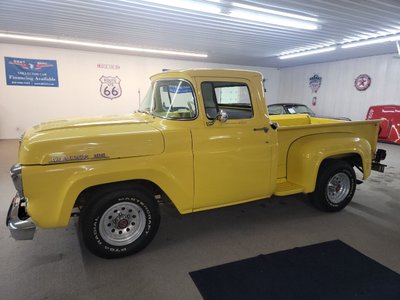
{"x":31,"y":72}
{"x":175,"y":89}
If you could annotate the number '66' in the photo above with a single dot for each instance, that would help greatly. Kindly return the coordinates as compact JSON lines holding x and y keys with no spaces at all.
{"x":107,"y":91}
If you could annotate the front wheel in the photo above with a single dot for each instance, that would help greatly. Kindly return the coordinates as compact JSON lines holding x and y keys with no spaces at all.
{"x":119,"y":223}
{"x":335,"y":187}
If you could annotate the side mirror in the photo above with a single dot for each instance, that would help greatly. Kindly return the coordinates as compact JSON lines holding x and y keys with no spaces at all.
{"x":222,"y":116}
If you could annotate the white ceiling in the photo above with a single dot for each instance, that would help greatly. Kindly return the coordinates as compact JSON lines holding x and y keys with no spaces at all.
{"x":142,"y":24}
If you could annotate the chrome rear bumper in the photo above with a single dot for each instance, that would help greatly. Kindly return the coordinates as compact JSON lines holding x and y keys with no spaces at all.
{"x":21,"y":226}
{"x":376,"y":165}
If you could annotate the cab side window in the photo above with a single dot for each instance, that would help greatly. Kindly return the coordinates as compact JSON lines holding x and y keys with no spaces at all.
{"x":231,"y":97}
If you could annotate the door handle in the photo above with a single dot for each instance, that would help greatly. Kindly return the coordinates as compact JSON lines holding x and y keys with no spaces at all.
{"x":265,"y":129}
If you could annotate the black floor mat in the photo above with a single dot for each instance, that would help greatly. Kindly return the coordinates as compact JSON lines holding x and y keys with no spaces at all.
{"x":330,"y":270}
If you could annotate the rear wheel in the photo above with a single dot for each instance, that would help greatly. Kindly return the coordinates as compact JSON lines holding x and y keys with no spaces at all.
{"x":335,"y":187}
{"x":119,"y":223}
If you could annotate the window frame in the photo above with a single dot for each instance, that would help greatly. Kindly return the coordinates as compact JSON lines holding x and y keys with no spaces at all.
{"x":239,"y":83}
{"x":196,"y":108}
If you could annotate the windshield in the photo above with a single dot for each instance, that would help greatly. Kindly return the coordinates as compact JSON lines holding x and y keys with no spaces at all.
{"x":299,"y":109}
{"x":276,"y":110}
{"x":170,"y":99}
{"x":281,"y":109}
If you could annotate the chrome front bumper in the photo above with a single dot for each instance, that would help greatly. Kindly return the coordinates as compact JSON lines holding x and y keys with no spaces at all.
{"x":20,"y":226}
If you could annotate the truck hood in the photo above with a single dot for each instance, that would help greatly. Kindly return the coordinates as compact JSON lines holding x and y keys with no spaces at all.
{"x":96,"y":138}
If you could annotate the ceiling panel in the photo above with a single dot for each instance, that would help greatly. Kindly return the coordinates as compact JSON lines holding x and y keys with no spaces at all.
{"x":225,"y":40}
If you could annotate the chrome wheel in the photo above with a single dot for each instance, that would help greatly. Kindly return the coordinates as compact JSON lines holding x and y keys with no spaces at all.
{"x":122,"y":224}
{"x":338,"y":188}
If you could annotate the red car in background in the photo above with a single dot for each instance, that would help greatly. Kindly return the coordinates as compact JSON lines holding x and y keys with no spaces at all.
{"x":390,"y":128}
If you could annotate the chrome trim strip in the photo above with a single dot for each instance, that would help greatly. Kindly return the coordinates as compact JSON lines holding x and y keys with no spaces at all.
{"x":16,"y":176}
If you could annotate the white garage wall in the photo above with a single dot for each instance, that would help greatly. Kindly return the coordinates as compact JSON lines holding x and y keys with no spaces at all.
{"x":337,"y":95}
{"x":78,"y":93}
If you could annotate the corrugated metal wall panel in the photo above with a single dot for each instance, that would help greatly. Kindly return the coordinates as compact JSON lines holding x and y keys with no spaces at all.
{"x":337,"y":95}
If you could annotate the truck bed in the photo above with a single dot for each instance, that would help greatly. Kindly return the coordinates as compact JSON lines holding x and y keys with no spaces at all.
{"x":294,"y":127}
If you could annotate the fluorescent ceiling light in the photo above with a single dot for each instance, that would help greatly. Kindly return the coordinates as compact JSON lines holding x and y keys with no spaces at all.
{"x":274,"y":20}
{"x":191,"y":5}
{"x":398,"y":47}
{"x":372,"y":41}
{"x":99,"y":45}
{"x":244,"y":12}
{"x":310,"y":52}
{"x":274,"y":12}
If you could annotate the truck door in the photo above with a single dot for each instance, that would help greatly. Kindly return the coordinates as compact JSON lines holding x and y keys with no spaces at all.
{"x":232,"y":159}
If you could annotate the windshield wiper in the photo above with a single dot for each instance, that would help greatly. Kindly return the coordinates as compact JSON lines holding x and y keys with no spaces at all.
{"x":145,"y":112}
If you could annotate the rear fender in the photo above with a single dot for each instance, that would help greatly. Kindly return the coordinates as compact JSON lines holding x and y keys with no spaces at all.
{"x":306,"y":154}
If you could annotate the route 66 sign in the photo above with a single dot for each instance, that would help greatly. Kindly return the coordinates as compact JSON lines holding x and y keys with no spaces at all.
{"x":110,"y":87}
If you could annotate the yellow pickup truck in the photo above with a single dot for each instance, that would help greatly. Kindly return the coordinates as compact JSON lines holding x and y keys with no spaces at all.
{"x":202,"y":139}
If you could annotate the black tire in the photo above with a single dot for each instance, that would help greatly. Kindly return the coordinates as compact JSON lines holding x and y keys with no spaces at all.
{"x":336,"y":184}
{"x":119,"y":223}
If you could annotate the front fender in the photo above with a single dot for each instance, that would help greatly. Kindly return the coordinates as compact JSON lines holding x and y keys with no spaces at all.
{"x":52,"y":190}
{"x":306,"y":154}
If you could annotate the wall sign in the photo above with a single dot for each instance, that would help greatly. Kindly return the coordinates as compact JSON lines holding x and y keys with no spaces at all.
{"x":175,"y":89}
{"x":314,"y":101}
{"x":315,"y":83}
{"x":110,"y":87}
{"x":362,"y":82}
{"x":31,"y":72}
{"x":108,"y":66}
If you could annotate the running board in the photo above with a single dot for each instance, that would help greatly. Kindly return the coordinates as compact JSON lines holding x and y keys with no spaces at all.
{"x":288,"y":188}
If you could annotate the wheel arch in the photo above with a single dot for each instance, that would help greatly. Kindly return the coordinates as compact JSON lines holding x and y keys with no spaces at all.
{"x":92,"y":192}
{"x":307,"y":155}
